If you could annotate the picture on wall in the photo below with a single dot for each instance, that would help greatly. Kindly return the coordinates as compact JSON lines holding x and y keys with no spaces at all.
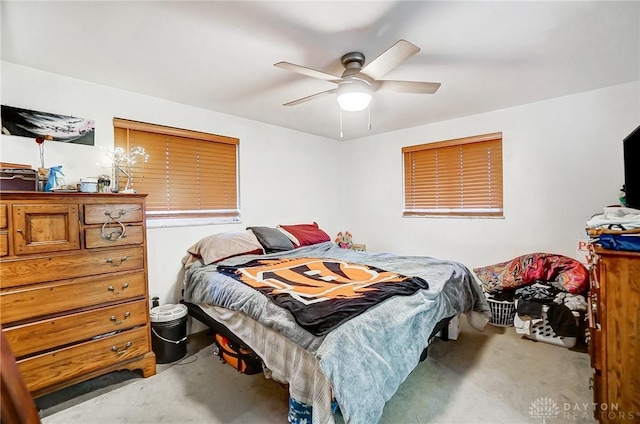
{"x":32,"y":124}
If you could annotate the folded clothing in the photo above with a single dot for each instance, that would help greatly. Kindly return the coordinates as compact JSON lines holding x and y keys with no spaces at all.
{"x":620,"y":217}
{"x":575,"y":302}
{"x":629,"y":242}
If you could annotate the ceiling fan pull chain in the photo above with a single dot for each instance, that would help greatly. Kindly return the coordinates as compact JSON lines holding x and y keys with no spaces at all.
{"x":369,"y":108}
{"x":341,"y":133}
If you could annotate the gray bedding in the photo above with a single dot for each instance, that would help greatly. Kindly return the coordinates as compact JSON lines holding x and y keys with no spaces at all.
{"x":368,"y":357}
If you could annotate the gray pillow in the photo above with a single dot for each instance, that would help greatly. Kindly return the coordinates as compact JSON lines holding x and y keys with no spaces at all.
{"x":272,"y":239}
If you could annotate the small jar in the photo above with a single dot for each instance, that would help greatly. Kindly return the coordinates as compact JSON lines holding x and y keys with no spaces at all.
{"x":106,"y":186}
{"x":89,"y":185}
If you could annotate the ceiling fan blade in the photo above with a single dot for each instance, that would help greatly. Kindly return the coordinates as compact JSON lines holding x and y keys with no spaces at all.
{"x":408,"y":86}
{"x":391,"y":58}
{"x":311,"y":97}
{"x":308,"y":71}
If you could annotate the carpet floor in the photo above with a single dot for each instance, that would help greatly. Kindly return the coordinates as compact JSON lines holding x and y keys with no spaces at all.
{"x":491,"y":377}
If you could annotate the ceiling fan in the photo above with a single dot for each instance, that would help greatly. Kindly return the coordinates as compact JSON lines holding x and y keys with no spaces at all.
{"x":360,"y":80}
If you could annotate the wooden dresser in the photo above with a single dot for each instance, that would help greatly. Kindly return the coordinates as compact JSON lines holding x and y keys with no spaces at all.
{"x":73,"y":286}
{"x":614,"y":329}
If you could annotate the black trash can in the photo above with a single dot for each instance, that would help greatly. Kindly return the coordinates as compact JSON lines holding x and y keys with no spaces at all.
{"x":169,"y":332}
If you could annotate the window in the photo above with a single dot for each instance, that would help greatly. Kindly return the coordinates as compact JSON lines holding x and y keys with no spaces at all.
{"x":461,"y":177}
{"x":189,"y":174}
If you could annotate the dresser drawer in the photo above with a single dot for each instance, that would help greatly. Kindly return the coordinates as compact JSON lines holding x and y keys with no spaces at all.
{"x":18,"y":272}
{"x":48,"y":334}
{"x":52,"y":298}
{"x":4,"y":244}
{"x":64,"y":364}
{"x":123,"y":212}
{"x":111,"y":235}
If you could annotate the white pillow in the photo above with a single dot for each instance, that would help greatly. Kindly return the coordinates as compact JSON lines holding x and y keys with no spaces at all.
{"x":217,"y":247}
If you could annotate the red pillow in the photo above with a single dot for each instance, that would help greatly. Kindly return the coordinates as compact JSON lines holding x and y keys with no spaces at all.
{"x":304,"y":234}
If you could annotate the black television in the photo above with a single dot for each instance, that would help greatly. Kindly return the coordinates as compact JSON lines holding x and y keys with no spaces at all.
{"x":631,"y":147}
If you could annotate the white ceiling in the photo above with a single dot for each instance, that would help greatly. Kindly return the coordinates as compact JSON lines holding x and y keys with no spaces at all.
{"x":219,"y":55}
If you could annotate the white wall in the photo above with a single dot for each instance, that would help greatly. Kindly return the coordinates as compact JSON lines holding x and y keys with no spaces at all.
{"x":562,"y":164}
{"x":286,"y":176}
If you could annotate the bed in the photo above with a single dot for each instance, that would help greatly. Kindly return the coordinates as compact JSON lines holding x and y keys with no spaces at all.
{"x":359,"y":359}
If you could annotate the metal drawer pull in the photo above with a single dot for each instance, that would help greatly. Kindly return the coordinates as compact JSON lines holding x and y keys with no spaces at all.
{"x":120,"y":352}
{"x":121,"y":213}
{"x":124,"y":286}
{"x":113,"y":235}
{"x":112,"y":262}
{"x":115,"y":320}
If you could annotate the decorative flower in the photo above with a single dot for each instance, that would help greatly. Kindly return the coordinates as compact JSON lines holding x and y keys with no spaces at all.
{"x":123,"y":162}
{"x":40,"y":141}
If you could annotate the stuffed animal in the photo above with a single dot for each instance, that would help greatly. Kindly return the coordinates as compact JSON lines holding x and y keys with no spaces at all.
{"x":344,"y":240}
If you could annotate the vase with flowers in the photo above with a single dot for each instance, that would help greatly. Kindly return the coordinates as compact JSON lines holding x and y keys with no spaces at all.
{"x":43,"y":173}
{"x":123,"y":165}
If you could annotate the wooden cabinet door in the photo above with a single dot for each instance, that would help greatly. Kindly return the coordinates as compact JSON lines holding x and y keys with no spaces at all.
{"x":45,"y":228}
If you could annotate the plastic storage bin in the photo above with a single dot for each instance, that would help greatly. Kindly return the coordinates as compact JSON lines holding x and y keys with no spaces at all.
{"x":169,"y":332}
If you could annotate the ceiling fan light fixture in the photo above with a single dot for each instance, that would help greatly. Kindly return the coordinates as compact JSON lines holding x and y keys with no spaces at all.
{"x":354,"y":95}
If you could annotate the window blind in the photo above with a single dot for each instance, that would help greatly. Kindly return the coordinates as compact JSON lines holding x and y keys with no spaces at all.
{"x":461,"y":177}
{"x":188,"y":173}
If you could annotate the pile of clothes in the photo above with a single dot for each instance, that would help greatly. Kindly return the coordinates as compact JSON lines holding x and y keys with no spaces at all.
{"x":539,"y":301}
{"x":617,"y":228}
{"x":542,"y":286}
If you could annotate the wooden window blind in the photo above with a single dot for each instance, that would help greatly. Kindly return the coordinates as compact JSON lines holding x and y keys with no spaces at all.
{"x":188,"y":173}
{"x":461,"y":177}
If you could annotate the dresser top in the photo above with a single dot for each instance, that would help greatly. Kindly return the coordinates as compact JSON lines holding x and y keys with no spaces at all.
{"x":61,"y":195}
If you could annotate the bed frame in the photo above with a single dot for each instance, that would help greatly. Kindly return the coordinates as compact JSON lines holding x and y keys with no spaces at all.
{"x":196,"y":312}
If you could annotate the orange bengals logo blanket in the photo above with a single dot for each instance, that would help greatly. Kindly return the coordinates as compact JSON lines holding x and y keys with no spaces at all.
{"x":322,"y":293}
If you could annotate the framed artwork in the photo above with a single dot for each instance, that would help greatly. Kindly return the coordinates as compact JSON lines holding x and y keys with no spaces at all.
{"x":32,"y":124}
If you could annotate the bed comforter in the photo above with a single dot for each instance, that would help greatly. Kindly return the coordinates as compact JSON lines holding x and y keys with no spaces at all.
{"x":366,"y":358}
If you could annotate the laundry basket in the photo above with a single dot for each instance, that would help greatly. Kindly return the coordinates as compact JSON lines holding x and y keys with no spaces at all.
{"x":542,"y":331}
{"x":502,"y":312}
